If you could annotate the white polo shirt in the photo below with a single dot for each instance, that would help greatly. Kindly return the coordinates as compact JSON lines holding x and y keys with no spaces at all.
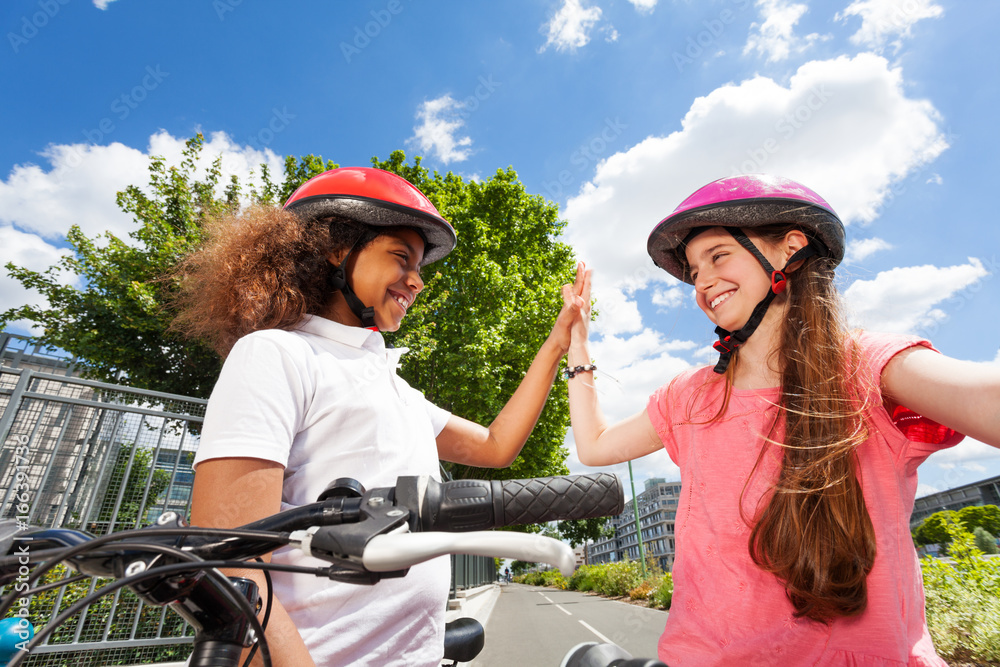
{"x":325,"y":402}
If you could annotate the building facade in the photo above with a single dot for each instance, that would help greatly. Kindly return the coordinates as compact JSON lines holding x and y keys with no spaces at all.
{"x":657,"y":509}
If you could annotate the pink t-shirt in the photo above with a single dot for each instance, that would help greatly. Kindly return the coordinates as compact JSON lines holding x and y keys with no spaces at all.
{"x":726,"y":610}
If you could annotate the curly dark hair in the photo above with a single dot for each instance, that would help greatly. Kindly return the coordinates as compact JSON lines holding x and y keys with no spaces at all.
{"x":260,"y":268}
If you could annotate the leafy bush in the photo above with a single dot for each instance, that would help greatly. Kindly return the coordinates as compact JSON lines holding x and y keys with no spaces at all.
{"x":963,"y":606}
{"x":583,"y":579}
{"x":617,"y":579}
{"x":664,"y":592}
{"x":550,"y":578}
{"x":643,"y":590}
{"x":612,"y":580}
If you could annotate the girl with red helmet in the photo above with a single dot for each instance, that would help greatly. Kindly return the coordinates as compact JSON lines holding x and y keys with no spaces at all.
{"x":797,"y":456}
{"x":296,"y":300}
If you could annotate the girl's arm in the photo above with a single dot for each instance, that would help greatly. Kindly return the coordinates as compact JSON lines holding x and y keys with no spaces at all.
{"x":231,"y":492}
{"x":962,"y":395}
{"x":496,"y":446}
{"x":598,"y":444}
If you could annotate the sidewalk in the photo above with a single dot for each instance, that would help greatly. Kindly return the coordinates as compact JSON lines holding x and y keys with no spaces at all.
{"x":474,"y":603}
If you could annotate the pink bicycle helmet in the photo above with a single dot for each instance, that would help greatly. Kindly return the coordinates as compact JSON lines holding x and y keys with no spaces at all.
{"x":745,"y":202}
{"x":738,"y":203}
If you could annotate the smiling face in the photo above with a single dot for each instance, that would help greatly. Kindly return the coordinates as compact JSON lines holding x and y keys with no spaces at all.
{"x":729,"y":282}
{"x":385,"y":275}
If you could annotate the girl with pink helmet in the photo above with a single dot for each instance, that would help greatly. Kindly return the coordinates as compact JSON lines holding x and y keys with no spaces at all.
{"x":798,"y":451}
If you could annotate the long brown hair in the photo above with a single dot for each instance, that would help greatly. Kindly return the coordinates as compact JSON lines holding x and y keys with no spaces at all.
{"x":814,"y":531}
{"x":261,"y":268}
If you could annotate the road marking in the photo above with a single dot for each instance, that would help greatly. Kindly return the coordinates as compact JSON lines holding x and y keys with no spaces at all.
{"x":563,"y":610}
{"x":599,"y":635}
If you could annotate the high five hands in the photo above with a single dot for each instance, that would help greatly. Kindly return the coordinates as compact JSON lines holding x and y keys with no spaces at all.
{"x":574,"y":317}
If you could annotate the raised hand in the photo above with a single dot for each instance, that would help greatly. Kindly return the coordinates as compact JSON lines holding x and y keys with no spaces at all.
{"x":574,"y":317}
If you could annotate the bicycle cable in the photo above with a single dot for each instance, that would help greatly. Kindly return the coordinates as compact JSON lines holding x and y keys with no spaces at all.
{"x":59,"y":555}
{"x":211,"y":568}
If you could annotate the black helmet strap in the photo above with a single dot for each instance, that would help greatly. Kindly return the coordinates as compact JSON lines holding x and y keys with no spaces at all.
{"x":729,"y":341}
{"x":338,"y":281}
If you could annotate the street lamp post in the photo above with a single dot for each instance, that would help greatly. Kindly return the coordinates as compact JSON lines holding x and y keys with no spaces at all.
{"x":638,"y":528}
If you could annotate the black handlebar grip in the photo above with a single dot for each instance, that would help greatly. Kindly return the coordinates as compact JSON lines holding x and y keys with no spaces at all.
{"x":542,"y":499}
{"x":459,"y":506}
{"x":469,"y":504}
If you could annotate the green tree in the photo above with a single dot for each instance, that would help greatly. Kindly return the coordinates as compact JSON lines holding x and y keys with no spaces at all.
{"x":986,"y":517}
{"x":985,"y":541}
{"x":935,"y":528}
{"x":489,"y":306}
{"x":485,"y":311}
{"x":519,"y":567}
{"x":116,"y":323}
{"x":582,"y":531}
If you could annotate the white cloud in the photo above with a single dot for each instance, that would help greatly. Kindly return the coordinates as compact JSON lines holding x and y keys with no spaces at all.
{"x":440,"y":121}
{"x":38,"y":205}
{"x":844,"y":127}
{"x":861,"y":249}
{"x":102,"y":4}
{"x":775,"y":37}
{"x":885,"y":20}
{"x":644,"y":6}
{"x":904,"y":299}
{"x":970,"y":454}
{"x":28,"y":251}
{"x":617,"y":312}
{"x":81,"y":184}
{"x":570,"y":27}
{"x":668,"y":298}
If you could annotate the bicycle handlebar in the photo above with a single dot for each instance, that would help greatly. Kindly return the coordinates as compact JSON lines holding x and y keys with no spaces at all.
{"x":364,"y":535}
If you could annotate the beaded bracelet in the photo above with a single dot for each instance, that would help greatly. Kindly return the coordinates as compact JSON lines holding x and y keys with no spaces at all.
{"x":570,"y":373}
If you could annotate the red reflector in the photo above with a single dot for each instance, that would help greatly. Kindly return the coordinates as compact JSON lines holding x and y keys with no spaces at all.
{"x":918,"y":428}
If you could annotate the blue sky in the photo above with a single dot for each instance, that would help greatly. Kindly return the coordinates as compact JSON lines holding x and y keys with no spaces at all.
{"x":616,"y":110}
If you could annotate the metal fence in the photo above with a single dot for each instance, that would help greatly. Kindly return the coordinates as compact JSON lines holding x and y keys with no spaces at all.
{"x":103,"y":458}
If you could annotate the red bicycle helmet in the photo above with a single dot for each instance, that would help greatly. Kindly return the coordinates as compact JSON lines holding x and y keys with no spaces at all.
{"x":378,"y":198}
{"x":743,"y":202}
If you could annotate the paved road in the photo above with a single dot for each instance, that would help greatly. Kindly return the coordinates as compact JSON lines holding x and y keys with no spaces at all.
{"x":531,"y":626}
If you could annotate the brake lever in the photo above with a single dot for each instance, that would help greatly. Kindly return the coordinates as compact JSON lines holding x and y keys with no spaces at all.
{"x":344,"y":545}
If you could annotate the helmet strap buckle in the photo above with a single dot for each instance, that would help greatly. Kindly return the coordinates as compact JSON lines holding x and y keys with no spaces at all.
{"x":778,"y":282}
